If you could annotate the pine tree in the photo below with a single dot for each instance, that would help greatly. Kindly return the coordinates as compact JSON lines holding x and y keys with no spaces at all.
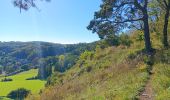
{"x":117,"y":15}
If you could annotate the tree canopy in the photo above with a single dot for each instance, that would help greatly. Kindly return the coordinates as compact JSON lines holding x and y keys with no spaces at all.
{"x":165,"y":6}
{"x":117,"y":15}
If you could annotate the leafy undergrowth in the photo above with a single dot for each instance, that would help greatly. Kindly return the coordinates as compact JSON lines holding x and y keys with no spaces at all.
{"x":111,"y":73}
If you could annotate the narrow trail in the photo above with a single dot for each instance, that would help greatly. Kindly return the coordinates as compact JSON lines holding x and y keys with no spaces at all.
{"x":147,"y":94}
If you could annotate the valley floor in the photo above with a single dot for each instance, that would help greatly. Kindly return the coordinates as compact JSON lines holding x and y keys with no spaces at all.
{"x":19,"y":81}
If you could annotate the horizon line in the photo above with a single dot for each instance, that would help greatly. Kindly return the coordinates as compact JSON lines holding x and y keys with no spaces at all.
{"x":45,"y":42}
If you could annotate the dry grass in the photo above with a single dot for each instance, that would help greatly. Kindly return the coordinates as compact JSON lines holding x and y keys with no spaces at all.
{"x":112,"y":77}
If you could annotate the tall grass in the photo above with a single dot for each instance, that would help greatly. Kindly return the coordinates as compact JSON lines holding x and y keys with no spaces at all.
{"x":112,"y":76}
{"x":161,"y":81}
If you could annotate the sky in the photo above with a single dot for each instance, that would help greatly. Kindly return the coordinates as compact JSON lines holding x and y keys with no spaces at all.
{"x":59,"y":21}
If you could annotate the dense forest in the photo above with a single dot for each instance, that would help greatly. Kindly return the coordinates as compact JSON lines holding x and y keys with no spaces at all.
{"x":21,"y":56}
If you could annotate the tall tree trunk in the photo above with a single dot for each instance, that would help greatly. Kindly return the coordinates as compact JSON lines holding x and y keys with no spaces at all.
{"x":148,"y":46}
{"x":165,"y":30}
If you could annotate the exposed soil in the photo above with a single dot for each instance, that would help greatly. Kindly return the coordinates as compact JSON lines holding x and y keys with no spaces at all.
{"x":147,"y":94}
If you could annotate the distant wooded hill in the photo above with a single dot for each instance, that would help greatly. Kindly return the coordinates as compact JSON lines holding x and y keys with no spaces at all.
{"x":16,"y":56}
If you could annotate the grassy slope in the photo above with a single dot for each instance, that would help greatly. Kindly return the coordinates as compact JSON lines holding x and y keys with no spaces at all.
{"x":161,"y":81}
{"x":161,"y":75}
{"x":111,"y":76}
{"x":20,"y":82}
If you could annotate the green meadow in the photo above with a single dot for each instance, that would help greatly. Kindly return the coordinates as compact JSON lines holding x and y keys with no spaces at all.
{"x":19,"y":81}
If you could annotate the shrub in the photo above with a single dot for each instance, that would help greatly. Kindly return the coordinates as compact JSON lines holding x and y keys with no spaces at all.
{"x":87,"y":55}
{"x":18,"y":94}
{"x":32,"y":78}
{"x":148,"y":60}
{"x":6,"y":80}
{"x":125,"y":40}
{"x":89,"y":68}
{"x":132,"y":55}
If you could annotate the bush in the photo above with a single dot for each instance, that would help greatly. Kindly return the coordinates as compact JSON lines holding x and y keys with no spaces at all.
{"x":25,"y":67}
{"x":6,"y":80}
{"x":89,"y":68}
{"x":132,"y":55}
{"x":18,"y":94}
{"x":148,"y":60}
{"x":125,"y":40}
{"x":32,"y":78}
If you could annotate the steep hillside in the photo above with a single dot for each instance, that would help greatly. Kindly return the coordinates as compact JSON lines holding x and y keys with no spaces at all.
{"x":104,"y":74}
{"x":113,"y":73}
{"x":160,"y":78}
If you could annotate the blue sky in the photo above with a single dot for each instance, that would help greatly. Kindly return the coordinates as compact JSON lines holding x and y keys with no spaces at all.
{"x":60,"y":21}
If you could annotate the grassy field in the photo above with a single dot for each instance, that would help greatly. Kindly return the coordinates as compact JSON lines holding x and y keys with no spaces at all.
{"x":20,"y":82}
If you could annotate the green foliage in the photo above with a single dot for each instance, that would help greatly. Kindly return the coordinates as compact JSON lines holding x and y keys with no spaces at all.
{"x":112,"y":40}
{"x":87,"y":55}
{"x":18,"y":94}
{"x":25,"y":67}
{"x":44,"y":70}
{"x":6,"y":80}
{"x":64,"y":62}
{"x":148,"y":60}
{"x":140,"y":36}
{"x":61,"y":60}
{"x":125,"y":39}
{"x":122,"y":39}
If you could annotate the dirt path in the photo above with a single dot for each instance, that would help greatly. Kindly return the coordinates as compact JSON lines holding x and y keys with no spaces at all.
{"x":147,"y":94}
